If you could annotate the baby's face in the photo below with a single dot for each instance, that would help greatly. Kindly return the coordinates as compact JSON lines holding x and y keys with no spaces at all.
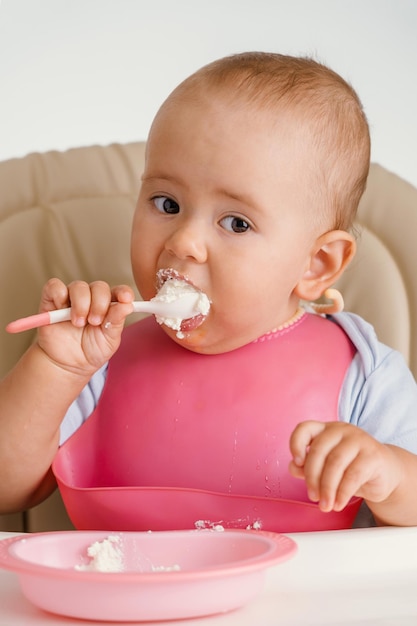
{"x":224,"y":203}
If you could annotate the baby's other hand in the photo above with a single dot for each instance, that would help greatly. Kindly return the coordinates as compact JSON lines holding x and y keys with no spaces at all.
{"x":92,"y":336}
{"x":339,"y":461}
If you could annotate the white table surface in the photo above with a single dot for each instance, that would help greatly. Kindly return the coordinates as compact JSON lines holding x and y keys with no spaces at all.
{"x":341,"y":578}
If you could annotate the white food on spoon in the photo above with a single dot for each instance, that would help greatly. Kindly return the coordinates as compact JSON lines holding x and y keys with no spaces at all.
{"x":171,"y":290}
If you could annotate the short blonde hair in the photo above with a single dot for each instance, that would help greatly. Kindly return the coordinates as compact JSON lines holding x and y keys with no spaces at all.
{"x":321,"y":100}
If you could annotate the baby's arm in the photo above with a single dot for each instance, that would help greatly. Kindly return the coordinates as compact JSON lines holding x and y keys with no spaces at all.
{"x":37,"y":393}
{"x":339,"y":460}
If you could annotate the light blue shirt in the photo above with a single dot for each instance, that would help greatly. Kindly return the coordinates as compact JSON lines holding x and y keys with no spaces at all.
{"x":379,"y":393}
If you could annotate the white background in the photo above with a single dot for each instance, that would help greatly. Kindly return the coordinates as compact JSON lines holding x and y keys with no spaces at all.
{"x":79,"y":72}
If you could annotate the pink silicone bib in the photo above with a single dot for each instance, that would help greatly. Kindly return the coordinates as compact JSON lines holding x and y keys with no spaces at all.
{"x":180,"y":438}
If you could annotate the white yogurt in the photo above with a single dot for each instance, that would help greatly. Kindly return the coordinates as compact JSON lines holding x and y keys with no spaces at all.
{"x":171,"y":290}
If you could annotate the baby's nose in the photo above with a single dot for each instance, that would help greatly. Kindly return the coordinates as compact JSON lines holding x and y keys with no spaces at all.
{"x":188,"y":241}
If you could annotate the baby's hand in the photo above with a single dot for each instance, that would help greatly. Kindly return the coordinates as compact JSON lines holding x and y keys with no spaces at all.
{"x":92,"y":336}
{"x":339,"y":460}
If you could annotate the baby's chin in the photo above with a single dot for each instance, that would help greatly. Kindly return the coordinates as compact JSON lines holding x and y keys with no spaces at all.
{"x":194,"y":339}
{"x":205,"y":340}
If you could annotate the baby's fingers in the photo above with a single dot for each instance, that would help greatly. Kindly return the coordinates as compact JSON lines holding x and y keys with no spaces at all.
{"x":122,"y":298}
{"x":122,"y":294}
{"x":335,"y":460}
{"x":362,"y":473}
{"x":301,"y":439}
{"x":323,"y":468}
{"x":323,"y":454}
{"x":335,"y":473}
{"x":89,"y":302}
{"x":54,"y":296}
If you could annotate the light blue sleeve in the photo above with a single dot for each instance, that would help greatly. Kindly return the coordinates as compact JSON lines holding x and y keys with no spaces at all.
{"x":379,"y":393}
{"x":84,"y":405}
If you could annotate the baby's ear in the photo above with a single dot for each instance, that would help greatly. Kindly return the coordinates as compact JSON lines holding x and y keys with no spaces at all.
{"x":330,"y":256}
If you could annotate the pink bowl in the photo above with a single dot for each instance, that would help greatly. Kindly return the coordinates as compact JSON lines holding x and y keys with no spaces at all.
{"x":216,"y":572}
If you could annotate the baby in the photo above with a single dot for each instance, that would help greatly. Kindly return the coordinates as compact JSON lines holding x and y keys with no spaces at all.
{"x":255,"y":166}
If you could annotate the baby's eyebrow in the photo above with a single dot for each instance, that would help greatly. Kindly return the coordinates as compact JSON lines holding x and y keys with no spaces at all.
{"x":236,"y":196}
{"x":160,"y":178}
{"x":243,"y":198}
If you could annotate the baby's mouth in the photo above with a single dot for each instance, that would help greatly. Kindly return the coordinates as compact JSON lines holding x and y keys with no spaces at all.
{"x":171,"y":285}
{"x":192,"y":323}
{"x":166,"y":273}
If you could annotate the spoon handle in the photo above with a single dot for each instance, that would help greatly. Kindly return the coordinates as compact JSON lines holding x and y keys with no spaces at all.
{"x":41,"y":319}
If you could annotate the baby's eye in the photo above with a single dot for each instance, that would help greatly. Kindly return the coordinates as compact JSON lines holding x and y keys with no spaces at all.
{"x":235,"y":224}
{"x":166,"y":205}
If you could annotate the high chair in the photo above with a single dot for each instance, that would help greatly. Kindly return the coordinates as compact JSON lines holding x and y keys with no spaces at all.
{"x":68,"y":214}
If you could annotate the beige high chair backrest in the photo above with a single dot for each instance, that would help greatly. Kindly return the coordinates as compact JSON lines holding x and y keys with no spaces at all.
{"x":68,"y":214}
